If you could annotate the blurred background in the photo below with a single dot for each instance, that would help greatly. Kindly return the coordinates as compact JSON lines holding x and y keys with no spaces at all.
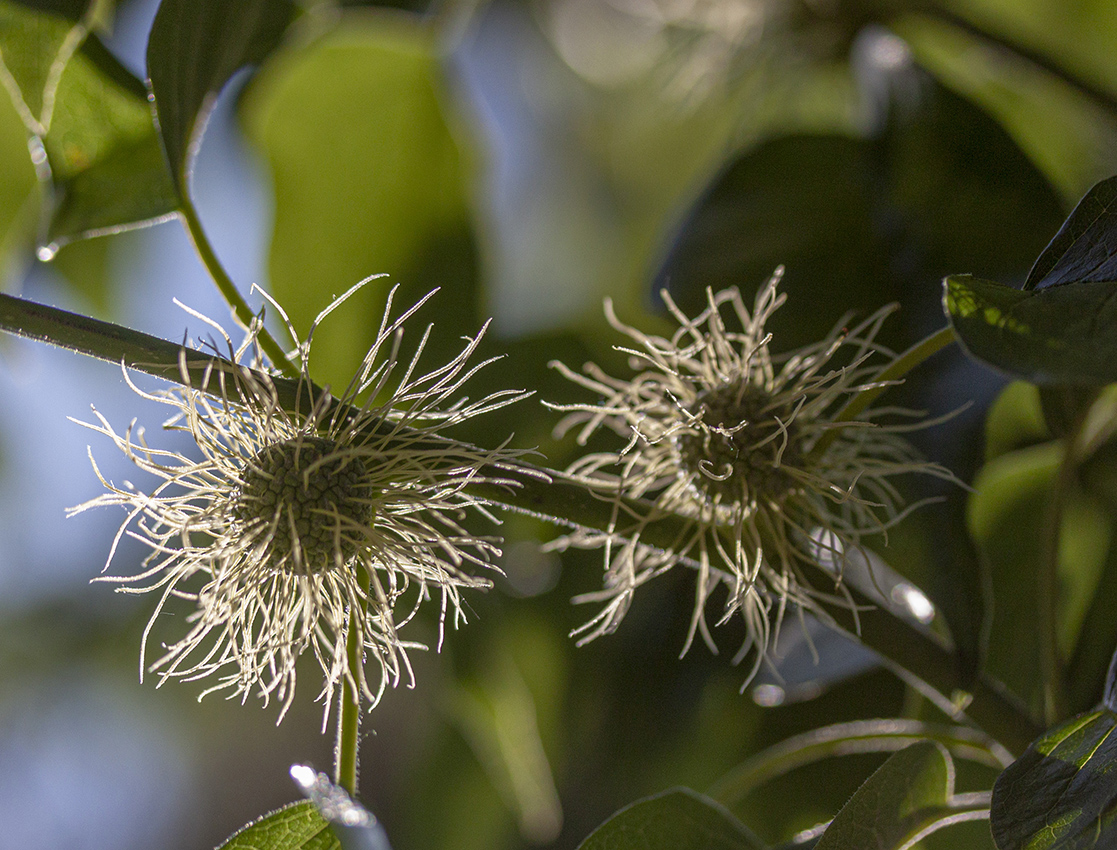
{"x":530,"y":158}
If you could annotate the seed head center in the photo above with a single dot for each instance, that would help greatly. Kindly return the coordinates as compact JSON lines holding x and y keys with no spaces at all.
{"x":310,"y":498}
{"x":739,"y":444}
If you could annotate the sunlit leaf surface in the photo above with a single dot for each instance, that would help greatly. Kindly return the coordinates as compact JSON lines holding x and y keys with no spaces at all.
{"x":1060,"y":335}
{"x":294,"y":827}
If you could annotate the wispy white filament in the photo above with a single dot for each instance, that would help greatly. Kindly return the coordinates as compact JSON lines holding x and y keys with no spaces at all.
{"x":716,"y":428}
{"x":272,"y":579}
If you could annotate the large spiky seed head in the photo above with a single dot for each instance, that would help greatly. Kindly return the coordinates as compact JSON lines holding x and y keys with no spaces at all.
{"x":306,"y":493}
{"x":738,"y":444}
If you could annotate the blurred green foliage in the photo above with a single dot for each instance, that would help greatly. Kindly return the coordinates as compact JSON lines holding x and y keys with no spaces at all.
{"x":870,"y":147}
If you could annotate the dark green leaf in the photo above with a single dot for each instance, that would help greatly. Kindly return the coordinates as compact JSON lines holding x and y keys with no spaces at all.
{"x":1061,"y":793}
{"x":294,"y":827}
{"x":1063,"y":405}
{"x":1085,"y":248}
{"x":195,"y":47}
{"x":70,"y":9}
{"x":679,"y":819}
{"x":902,"y":800}
{"x":1059,"y":335}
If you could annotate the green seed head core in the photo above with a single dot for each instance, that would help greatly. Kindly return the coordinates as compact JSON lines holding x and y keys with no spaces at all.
{"x":312,"y":494}
{"x":738,"y":445}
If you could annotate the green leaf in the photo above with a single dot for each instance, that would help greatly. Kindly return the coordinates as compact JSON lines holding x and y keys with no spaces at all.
{"x":1085,"y":248}
{"x":1015,"y":420}
{"x":679,"y":819}
{"x":195,"y":47}
{"x":1061,"y":793}
{"x":386,"y":195}
{"x":107,"y":166}
{"x":1010,"y":519}
{"x":1059,"y":335}
{"x":905,"y":799}
{"x":294,"y":827}
{"x":36,"y":42}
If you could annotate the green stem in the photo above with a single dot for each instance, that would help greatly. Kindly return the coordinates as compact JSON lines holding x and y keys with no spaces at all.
{"x":889,"y":375}
{"x":230,"y":292}
{"x":1079,"y":444}
{"x":843,"y":739}
{"x":349,"y":712}
{"x":1047,"y":590}
{"x":554,"y":496}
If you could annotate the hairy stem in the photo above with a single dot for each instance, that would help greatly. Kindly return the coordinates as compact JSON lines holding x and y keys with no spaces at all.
{"x":892,"y":373}
{"x":229,"y":289}
{"x":919,"y":656}
{"x":349,"y":713}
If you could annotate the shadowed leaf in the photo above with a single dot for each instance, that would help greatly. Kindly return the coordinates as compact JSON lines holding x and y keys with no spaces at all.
{"x":679,"y":819}
{"x":1085,"y":248}
{"x":1062,"y":793}
{"x":1058,"y":335}
{"x":906,"y":798}
{"x":195,"y":47}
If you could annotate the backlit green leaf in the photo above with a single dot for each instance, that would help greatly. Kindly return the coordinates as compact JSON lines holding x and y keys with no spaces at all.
{"x":294,"y":827}
{"x":36,"y":42}
{"x":1062,"y":793}
{"x":107,"y":167}
{"x":368,"y":179}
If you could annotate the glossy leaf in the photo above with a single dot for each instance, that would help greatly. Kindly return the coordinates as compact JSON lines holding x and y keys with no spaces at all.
{"x":195,"y":47}
{"x":1059,"y":335}
{"x":679,"y":819}
{"x":1061,"y":794}
{"x":294,"y":827}
{"x":1085,"y":248}
{"x":905,"y":799}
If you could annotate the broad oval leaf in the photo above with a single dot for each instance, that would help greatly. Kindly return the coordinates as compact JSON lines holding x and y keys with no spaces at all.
{"x":906,"y":798}
{"x":195,"y":47}
{"x":1060,"y":335}
{"x":107,"y":168}
{"x":679,"y":819}
{"x":294,"y":827}
{"x":103,"y":168}
{"x":1085,"y":248}
{"x":386,"y":192}
{"x":1061,"y":794}
{"x":36,"y":42}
